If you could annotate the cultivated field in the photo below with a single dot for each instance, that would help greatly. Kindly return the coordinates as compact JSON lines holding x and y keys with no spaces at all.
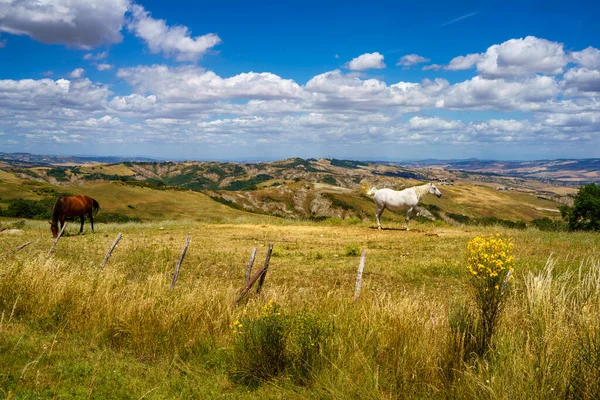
{"x":71,"y":330}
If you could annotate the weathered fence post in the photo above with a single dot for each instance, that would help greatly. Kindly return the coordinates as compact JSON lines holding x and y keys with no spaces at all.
{"x":110,"y":250}
{"x":250,"y":264}
{"x":266,"y":268}
{"x":361,"y":266}
{"x":57,"y":238}
{"x":260,"y":274}
{"x":22,"y":246}
{"x":176,"y":273}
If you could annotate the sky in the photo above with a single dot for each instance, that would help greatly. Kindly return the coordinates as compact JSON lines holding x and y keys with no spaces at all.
{"x":267,"y":80}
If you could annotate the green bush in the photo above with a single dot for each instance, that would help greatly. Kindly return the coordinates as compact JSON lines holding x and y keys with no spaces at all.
{"x":259,"y":347}
{"x":352,"y":249}
{"x":546,"y":224}
{"x":272,"y":344}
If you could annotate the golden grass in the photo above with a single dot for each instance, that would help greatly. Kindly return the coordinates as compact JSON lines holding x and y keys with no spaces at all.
{"x":394,"y":341}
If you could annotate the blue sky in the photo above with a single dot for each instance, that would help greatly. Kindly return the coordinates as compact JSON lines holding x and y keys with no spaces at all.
{"x":269,"y":80}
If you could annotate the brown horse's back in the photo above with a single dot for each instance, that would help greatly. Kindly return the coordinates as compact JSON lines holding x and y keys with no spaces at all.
{"x":75,"y":206}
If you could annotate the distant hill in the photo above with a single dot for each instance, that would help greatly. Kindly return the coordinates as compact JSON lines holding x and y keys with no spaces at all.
{"x":292,"y":188}
{"x":572,"y":171}
{"x":32,"y":160}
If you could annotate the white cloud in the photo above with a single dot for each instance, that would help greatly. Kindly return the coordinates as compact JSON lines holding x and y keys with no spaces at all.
{"x":82,"y":24}
{"x":500,"y":94}
{"x":366,"y":61}
{"x":48,"y":73}
{"x":517,"y":57}
{"x":193,"y":84}
{"x":104,"y":67}
{"x":434,"y":124}
{"x":189,"y":105}
{"x":77,"y":73}
{"x":464,"y":62}
{"x":410,"y":60}
{"x":171,"y":41}
{"x":582,"y":80}
{"x":587,"y":58}
{"x":96,"y":57}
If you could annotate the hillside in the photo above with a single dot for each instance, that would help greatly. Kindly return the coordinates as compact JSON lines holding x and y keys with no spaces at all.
{"x":567,"y":171}
{"x":293,"y":188}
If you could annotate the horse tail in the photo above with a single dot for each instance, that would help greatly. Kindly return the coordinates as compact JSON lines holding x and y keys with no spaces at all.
{"x":95,"y":206}
{"x":371,"y":191}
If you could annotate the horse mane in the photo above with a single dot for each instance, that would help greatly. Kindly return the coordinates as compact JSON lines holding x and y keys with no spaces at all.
{"x":56,"y":210}
{"x":371,"y":191}
{"x":421,"y":190}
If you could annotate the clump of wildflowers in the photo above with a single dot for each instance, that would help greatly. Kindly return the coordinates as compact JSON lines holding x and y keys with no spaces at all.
{"x":490,"y":269}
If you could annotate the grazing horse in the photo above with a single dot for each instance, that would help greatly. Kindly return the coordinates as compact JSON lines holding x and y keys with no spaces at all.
{"x":73,"y":206}
{"x":395,"y":200}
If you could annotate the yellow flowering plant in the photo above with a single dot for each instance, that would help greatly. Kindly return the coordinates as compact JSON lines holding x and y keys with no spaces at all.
{"x":490,"y":267}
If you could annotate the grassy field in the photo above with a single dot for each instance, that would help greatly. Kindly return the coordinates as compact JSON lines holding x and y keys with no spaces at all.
{"x":71,"y":330}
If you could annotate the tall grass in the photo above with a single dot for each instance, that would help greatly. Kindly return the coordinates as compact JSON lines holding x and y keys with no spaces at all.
{"x":70,"y":329}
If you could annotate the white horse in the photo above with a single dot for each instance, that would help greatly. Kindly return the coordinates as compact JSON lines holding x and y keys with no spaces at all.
{"x":395,"y":200}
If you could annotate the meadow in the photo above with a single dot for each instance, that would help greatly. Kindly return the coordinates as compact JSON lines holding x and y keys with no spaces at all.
{"x":72,"y":330}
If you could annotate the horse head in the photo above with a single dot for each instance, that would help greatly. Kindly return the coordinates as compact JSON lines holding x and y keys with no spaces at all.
{"x":54,"y":228}
{"x":434,"y":190}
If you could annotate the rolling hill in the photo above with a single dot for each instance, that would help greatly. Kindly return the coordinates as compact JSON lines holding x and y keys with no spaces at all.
{"x":294,"y":188}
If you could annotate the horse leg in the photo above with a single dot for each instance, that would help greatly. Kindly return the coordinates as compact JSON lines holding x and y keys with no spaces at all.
{"x":82,"y":218}
{"x":408,"y":216}
{"x":378,"y":215}
{"x":91,"y":220}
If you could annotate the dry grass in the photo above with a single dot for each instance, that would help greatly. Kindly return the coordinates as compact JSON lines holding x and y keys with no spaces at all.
{"x":69,"y":329}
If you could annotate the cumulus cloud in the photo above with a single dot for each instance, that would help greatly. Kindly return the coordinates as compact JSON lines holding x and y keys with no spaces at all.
{"x":190,"y":105}
{"x":464,"y":62}
{"x":76,"y":73}
{"x":104,"y":67}
{"x":517,"y":57}
{"x":174,"y":41}
{"x":366,"y":61}
{"x":83,"y":24}
{"x":194,"y":84}
{"x":582,"y":80}
{"x":588,"y":58}
{"x":410,"y":60}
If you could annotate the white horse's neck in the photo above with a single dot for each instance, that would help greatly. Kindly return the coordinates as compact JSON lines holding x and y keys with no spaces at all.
{"x":421,"y":190}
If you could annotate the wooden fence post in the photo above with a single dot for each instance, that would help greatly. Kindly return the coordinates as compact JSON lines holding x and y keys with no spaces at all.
{"x":176,"y":273}
{"x":361,"y":266}
{"x":248,"y":286}
{"x":266,"y":268}
{"x":250,"y":264}
{"x":21,"y":246}
{"x":57,"y":238}
{"x":110,"y":250}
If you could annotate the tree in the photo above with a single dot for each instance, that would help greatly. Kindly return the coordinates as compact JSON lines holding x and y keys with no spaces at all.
{"x":585,"y":213}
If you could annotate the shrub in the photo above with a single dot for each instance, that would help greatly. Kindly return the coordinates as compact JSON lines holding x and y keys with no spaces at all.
{"x":490,"y":267}
{"x":352,"y":249}
{"x":274,"y":343}
{"x":546,"y":224}
{"x":305,"y":338}
{"x":259,"y":347}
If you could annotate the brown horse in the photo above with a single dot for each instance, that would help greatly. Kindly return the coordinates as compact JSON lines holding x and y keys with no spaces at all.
{"x":73,"y":206}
